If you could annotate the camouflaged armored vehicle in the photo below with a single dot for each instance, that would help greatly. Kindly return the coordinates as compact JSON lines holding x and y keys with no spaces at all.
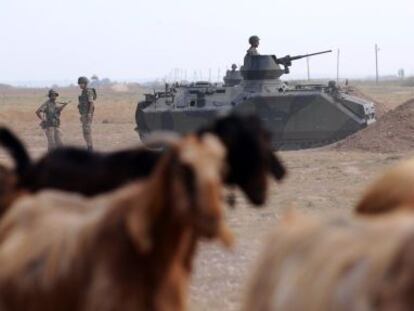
{"x":303,"y":116}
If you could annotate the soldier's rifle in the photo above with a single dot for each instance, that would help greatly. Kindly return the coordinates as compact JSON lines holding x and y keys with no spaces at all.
{"x":63,"y":105}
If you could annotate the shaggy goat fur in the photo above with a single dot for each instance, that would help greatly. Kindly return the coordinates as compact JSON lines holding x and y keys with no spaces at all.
{"x":393,"y":190}
{"x":250,"y":161}
{"x":336,"y":264}
{"x":128,"y":250}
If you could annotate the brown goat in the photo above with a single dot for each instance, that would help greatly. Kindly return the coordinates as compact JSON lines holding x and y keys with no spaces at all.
{"x":393,"y":190}
{"x":360,"y":263}
{"x":129,"y":250}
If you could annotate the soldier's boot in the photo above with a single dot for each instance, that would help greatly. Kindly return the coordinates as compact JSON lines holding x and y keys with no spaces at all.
{"x":50,"y":138}
{"x":89,"y":143}
{"x":58,"y":137}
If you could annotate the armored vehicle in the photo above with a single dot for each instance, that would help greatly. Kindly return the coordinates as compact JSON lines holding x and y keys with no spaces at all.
{"x":233,"y":77}
{"x":301,"y":116}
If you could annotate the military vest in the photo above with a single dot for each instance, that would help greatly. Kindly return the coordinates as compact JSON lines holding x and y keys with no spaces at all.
{"x":52,"y":114}
{"x":87,"y":96}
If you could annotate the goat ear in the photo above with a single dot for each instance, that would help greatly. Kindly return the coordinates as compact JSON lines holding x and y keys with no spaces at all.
{"x":277,"y":169}
{"x":138,"y":226}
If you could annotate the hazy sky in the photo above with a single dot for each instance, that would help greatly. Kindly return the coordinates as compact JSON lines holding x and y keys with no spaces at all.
{"x":52,"y":40}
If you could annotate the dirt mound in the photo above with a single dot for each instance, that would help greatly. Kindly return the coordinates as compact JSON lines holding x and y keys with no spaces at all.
{"x":393,"y":132}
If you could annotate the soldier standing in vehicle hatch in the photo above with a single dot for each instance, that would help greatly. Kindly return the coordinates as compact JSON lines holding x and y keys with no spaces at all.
{"x":254,"y":44}
{"x":49,"y":113}
{"x":86,"y":109}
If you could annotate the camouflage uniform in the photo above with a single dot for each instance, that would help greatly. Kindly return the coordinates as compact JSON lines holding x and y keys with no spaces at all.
{"x":86,"y":109}
{"x":51,"y":122}
{"x":252,"y":51}
{"x":254,"y":43}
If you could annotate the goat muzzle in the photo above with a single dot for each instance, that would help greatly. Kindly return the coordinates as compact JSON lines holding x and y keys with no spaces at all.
{"x":210,"y":227}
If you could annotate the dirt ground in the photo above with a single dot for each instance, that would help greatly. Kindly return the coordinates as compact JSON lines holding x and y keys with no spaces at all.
{"x":320,"y":181}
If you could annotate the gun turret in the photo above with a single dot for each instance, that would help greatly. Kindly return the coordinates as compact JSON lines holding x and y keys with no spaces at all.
{"x":287,"y":60}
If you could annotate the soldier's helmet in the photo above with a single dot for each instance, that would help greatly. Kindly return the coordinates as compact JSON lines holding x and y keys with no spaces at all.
{"x":83,"y":80}
{"x":254,"y":40}
{"x":332,"y":84}
{"x":52,"y":92}
{"x":234,"y":67}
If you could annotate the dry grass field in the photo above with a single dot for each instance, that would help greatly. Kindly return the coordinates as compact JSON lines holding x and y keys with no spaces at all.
{"x":320,"y":181}
{"x":113,"y":121}
{"x":389,"y":94}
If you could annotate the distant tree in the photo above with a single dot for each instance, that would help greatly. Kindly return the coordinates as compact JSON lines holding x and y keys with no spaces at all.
{"x":105,"y":81}
{"x":401,"y":74}
{"x":5,"y":86}
{"x":95,"y":81}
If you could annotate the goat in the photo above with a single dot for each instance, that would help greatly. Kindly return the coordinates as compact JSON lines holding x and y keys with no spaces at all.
{"x":250,"y":156}
{"x":392,"y":190}
{"x":357,"y":263}
{"x":250,"y":161}
{"x":127,"y":250}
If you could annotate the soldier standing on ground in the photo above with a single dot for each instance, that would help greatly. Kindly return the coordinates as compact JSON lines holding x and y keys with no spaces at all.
{"x":49,"y":113}
{"x":86,"y":109}
{"x":254,"y":44}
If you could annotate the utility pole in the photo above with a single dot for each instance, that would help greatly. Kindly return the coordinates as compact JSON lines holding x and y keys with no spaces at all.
{"x":307,"y":64}
{"x":376,"y":64}
{"x":337,"y":65}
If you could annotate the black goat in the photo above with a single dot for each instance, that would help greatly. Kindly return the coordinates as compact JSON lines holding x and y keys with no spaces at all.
{"x":250,"y":160}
